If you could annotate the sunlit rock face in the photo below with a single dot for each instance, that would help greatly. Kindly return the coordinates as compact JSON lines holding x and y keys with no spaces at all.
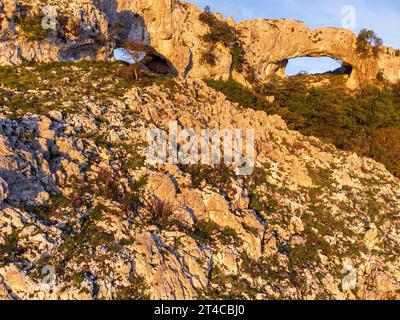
{"x":316,"y":206}
{"x":3,"y":190}
{"x":270,"y":43}
{"x":174,"y":30}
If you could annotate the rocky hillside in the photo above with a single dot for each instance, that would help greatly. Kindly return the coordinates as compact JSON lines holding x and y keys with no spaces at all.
{"x":189,"y":41}
{"x":83,"y":215}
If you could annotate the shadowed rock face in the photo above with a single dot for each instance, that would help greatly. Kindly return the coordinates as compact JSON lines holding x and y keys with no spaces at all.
{"x":173,"y":28}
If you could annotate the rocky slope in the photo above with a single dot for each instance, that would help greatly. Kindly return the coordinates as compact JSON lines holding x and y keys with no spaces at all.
{"x":174,"y":29}
{"x":84,"y":216}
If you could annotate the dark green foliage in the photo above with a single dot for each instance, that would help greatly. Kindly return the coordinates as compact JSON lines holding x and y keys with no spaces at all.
{"x":229,"y":236}
{"x":10,"y":249}
{"x":219,"y":176}
{"x":368,"y":43}
{"x":31,"y":27}
{"x":53,"y":209}
{"x":385,"y":148}
{"x":222,"y":32}
{"x":209,"y":57}
{"x":239,"y":94}
{"x":203,"y":231}
{"x":380,"y":76}
{"x":238,"y":60}
{"x":367,"y":122}
{"x":137,"y":290}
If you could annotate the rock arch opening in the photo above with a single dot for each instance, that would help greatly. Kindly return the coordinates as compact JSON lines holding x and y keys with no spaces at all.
{"x":148,"y":58}
{"x":315,"y":66}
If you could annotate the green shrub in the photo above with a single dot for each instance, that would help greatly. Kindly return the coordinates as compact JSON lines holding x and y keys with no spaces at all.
{"x":380,"y":76}
{"x":219,"y":176}
{"x":160,"y":212}
{"x":238,"y":94}
{"x":30,"y":27}
{"x":203,"y":231}
{"x":53,"y":209}
{"x":368,"y":43}
{"x":209,"y":57}
{"x":364,"y":123}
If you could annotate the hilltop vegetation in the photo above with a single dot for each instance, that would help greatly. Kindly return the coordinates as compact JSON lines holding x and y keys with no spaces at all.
{"x":77,"y":194}
{"x":366,"y":123}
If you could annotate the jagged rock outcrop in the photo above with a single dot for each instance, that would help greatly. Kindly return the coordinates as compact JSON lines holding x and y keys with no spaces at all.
{"x":173,"y":28}
{"x":270,"y":43}
{"x":110,"y":225}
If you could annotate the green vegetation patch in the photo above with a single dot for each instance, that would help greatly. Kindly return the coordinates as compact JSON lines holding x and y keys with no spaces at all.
{"x":366,"y":122}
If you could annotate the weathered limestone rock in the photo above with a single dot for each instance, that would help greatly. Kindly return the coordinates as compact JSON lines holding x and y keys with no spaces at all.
{"x":192,"y":199}
{"x":4,"y":293}
{"x":17,"y":282}
{"x":385,"y":283}
{"x":173,"y":28}
{"x":371,"y":236}
{"x":270,"y":43}
{"x":3,"y":190}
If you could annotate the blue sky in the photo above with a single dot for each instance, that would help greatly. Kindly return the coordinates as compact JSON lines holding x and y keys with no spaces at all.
{"x":383,"y":16}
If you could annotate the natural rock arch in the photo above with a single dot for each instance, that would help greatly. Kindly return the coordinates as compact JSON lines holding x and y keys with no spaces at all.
{"x":270,"y":43}
{"x":176,"y":32}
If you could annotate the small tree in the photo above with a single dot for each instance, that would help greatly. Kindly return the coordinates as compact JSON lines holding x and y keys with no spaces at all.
{"x":207,"y":10}
{"x":368,"y":43}
{"x":136,"y":54}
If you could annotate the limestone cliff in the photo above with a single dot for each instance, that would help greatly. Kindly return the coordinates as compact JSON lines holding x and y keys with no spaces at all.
{"x":173,"y":28}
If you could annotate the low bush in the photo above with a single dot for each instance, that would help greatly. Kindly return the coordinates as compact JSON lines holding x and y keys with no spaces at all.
{"x":10,"y":249}
{"x":30,"y":27}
